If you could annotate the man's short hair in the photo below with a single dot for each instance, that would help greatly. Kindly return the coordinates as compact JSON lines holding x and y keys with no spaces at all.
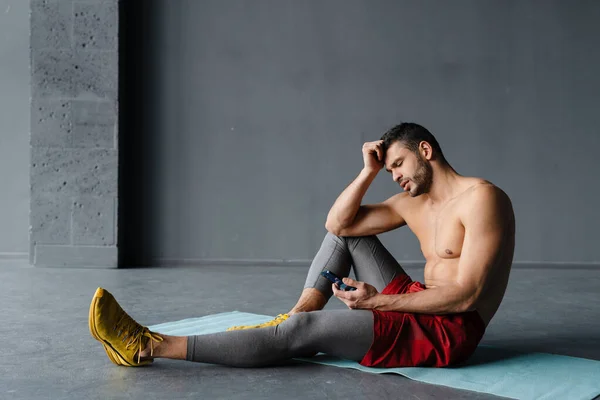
{"x":410,"y":135}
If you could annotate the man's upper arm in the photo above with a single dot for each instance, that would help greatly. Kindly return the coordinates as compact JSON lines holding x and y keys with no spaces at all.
{"x":373,"y":219}
{"x":486,"y":224}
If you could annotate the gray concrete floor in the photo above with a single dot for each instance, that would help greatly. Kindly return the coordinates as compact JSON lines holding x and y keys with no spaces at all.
{"x":48,"y":352}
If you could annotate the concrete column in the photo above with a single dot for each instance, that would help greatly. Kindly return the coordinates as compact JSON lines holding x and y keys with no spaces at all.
{"x":74,"y":120}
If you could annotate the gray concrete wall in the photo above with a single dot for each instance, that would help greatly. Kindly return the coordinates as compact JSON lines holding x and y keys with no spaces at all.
{"x":74,"y":157}
{"x":14,"y":129}
{"x":261,"y":108}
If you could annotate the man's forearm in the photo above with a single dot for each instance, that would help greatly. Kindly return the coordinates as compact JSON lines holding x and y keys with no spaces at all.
{"x":440,"y":300}
{"x":346,"y":206}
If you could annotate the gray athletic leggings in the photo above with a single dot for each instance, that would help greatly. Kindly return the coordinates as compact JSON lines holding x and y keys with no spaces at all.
{"x":343,"y":333}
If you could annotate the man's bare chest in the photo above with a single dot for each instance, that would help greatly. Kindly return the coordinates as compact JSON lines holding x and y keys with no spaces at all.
{"x":440,"y":232}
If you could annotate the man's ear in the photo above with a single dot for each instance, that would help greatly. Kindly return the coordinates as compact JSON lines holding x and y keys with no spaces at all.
{"x":426,"y":150}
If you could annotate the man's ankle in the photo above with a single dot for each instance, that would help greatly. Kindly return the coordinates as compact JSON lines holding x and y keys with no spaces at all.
{"x":300,"y":310}
{"x":311,"y":299}
{"x":174,"y":347}
{"x":149,"y":352}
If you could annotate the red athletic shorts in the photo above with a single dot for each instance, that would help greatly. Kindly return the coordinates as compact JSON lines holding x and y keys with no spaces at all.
{"x":421,"y":340}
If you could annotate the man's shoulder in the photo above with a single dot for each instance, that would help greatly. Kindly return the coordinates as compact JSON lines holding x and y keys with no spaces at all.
{"x":402,"y":196}
{"x":484,"y":195}
{"x":482,"y":190}
{"x":403,"y":204}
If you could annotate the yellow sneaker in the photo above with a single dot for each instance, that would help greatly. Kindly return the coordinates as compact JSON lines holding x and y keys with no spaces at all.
{"x":275,"y":321}
{"x":120,"y":335}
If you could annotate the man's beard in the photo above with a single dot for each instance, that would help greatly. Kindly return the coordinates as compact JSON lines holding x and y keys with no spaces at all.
{"x":422,"y":178}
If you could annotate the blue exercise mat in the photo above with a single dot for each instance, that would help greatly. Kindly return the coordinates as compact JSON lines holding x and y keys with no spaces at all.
{"x":490,"y":370}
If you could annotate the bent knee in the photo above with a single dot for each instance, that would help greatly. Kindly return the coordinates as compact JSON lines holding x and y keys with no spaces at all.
{"x":334,"y":237}
{"x":346,"y":239}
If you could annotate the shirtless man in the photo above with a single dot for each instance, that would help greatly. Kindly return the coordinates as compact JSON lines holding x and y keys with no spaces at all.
{"x":466,"y":230}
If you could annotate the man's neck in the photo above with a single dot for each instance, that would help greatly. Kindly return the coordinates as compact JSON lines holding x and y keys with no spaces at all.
{"x":445,"y":185}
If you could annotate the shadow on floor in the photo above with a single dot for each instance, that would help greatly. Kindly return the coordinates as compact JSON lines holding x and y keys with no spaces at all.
{"x":488,"y":355}
{"x":574,"y":345}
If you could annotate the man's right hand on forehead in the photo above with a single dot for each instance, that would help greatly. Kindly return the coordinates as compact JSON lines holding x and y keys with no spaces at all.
{"x":373,"y":155}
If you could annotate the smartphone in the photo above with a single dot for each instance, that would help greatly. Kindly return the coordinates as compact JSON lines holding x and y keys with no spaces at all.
{"x":336,"y":279}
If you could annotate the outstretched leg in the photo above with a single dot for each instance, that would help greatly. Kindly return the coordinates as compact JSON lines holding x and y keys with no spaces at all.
{"x":343,"y":333}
